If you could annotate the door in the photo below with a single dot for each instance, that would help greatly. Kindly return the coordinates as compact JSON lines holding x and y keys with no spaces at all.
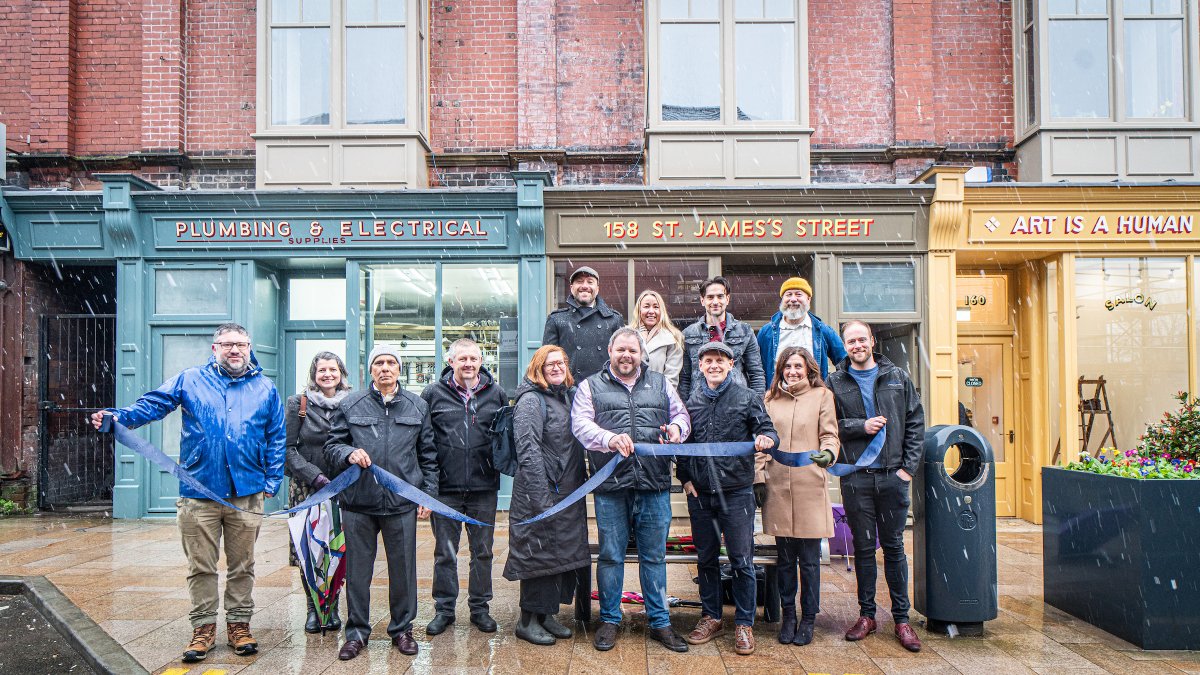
{"x":985,"y":387}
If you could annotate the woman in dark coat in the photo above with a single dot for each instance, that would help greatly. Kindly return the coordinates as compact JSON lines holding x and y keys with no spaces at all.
{"x":307,"y":430}
{"x":545,"y":556}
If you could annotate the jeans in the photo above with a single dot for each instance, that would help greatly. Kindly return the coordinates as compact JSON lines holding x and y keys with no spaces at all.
{"x":648,"y":514}
{"x":878,"y":499}
{"x":733,"y":516}
{"x":446,"y":534}
{"x":399,"y":533}
{"x":807,"y":554}
{"x":202,"y":525}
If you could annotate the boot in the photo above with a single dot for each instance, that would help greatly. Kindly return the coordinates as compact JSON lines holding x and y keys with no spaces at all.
{"x":787,"y":626}
{"x":335,"y":619}
{"x":529,"y":630}
{"x":553,"y":627}
{"x":312,"y":624}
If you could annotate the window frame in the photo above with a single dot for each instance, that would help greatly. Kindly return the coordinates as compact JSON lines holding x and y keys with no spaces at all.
{"x":1030,"y":121}
{"x":416,"y":43}
{"x":727,"y":23}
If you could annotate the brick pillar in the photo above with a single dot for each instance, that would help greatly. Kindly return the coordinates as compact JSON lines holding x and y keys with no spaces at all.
{"x":537,"y":74}
{"x":52,"y":75}
{"x":162,"y":76}
{"x":912,"y":49}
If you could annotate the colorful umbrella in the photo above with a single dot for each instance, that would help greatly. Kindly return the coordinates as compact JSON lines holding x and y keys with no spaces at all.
{"x":320,"y":548}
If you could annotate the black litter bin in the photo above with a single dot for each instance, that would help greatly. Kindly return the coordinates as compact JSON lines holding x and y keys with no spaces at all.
{"x":954,"y":533}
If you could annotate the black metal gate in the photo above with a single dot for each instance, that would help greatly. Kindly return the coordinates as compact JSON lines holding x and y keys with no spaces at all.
{"x":76,"y":378}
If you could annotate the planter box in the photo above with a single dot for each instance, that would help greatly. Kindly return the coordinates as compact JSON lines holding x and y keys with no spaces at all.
{"x":1124,"y":555}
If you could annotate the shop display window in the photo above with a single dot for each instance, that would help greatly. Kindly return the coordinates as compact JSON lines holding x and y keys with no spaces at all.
{"x":1132,"y":331}
{"x":191,"y":291}
{"x":879,"y":287}
{"x":480,"y":302}
{"x":678,"y":281}
{"x":315,"y":299}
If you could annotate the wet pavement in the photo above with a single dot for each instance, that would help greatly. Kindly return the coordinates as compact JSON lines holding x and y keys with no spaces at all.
{"x":129,"y":577}
{"x":29,"y":644}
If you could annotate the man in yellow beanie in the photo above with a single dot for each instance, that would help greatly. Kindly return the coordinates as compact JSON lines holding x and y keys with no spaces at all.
{"x":795,"y":325}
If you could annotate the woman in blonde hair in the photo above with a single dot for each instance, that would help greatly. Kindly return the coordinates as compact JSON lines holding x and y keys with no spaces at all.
{"x":664,"y":342}
{"x":797,"y":510}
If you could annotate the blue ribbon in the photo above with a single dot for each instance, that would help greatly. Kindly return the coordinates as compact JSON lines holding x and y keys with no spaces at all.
{"x":870,"y":454}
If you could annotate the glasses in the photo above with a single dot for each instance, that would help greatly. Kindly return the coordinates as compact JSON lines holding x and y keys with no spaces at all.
{"x":230,"y":346}
{"x":557,"y":365}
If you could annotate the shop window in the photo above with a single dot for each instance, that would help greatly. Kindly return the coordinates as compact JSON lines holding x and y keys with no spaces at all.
{"x":191,"y":291}
{"x":1132,"y":331}
{"x":755,"y":289}
{"x":614,"y":281}
{"x":879,"y":287}
{"x":401,"y":308}
{"x":736,"y":67}
{"x":480,"y":302}
{"x":315,"y":299}
{"x":678,"y":281}
{"x":305,"y":349}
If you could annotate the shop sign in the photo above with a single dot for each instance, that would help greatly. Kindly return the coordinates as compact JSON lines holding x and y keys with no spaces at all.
{"x":1139,"y":299}
{"x":373,"y":231}
{"x":973,"y":381}
{"x":1083,"y":225}
{"x":733,"y":228}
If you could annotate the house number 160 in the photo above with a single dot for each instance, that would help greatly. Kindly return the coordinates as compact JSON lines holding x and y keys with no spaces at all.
{"x":972,"y":300}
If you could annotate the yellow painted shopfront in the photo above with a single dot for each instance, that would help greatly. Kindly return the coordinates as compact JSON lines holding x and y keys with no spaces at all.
{"x":1062,"y":317}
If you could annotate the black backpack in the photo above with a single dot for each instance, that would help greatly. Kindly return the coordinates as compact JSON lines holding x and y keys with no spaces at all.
{"x":504,"y":443}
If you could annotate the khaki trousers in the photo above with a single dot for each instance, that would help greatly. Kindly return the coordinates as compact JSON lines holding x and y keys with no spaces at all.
{"x":202,"y":524}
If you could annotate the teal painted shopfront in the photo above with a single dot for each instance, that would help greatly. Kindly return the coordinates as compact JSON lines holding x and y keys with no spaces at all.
{"x":304,"y":271}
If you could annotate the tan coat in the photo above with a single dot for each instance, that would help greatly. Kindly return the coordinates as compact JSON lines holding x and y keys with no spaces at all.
{"x":798,"y":498}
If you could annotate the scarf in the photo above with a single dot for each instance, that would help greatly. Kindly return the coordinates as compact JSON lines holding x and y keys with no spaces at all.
{"x":716,"y":393}
{"x":320,"y":400}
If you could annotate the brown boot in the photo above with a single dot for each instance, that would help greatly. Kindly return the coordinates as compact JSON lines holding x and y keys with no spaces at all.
{"x":706,"y":629}
{"x":743,"y":640}
{"x":203,"y":639}
{"x":240,"y":639}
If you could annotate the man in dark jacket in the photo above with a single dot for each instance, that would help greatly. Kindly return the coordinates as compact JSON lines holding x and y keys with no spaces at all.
{"x":623,"y":404}
{"x":462,"y":404}
{"x":881,"y":425}
{"x":720,"y":493}
{"x":795,"y":325}
{"x":583,"y":327}
{"x":385,"y":425}
{"x":719,"y":325}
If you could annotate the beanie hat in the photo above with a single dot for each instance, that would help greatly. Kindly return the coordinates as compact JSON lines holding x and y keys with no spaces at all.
{"x":381,"y":349}
{"x":796,"y":284}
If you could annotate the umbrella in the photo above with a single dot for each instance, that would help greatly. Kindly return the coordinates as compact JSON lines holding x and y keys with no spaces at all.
{"x":320,"y":548}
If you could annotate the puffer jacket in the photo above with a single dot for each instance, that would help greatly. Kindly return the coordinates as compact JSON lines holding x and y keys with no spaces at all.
{"x":396,"y":435}
{"x":583,"y":333}
{"x":462,"y":432}
{"x":747,"y":364}
{"x":738,"y":414}
{"x":549,"y":467}
{"x":638,"y":412}
{"x":232,"y":431}
{"x":896,"y":399}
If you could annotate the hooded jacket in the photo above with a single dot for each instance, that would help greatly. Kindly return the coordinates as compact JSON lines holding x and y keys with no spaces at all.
{"x":583,"y":333}
{"x":462,"y":432}
{"x":232,"y":432}
{"x":896,"y":399}
{"x":827,"y":346}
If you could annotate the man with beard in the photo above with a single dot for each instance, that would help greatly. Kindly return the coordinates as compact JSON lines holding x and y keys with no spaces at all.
{"x":232,"y":440}
{"x":882,"y":426}
{"x":794,"y":325}
{"x":719,"y":325}
{"x":583,"y":327}
{"x":623,"y":404}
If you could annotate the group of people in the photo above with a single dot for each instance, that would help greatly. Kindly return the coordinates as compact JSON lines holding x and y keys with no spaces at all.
{"x":596,"y":390}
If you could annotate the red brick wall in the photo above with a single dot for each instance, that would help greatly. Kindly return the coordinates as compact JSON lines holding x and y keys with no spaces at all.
{"x":51,"y":72}
{"x":220,"y":38}
{"x":15,"y":43}
{"x":108,"y":77}
{"x":473,"y":75}
{"x":972,"y":59}
{"x":163,"y":81}
{"x":850,"y":72}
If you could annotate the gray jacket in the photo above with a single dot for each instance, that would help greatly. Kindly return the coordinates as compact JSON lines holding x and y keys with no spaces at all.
{"x":583,"y":333}
{"x":747,"y":363}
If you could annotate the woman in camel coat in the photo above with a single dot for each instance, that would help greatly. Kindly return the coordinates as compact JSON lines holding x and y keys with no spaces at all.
{"x":797,"y":510}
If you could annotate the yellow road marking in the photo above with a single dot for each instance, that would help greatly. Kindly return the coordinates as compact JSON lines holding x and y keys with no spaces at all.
{"x":176,"y":671}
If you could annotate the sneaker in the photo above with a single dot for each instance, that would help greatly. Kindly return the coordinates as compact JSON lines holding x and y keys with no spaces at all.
{"x":743,"y":640}
{"x":240,"y":639}
{"x":706,"y":629}
{"x":203,"y":639}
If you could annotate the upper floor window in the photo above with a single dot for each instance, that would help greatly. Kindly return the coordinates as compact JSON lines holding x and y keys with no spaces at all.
{"x":340,"y":63}
{"x":726,"y":62}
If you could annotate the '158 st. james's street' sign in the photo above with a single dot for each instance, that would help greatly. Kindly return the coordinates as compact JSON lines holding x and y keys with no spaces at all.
{"x":332,"y":232}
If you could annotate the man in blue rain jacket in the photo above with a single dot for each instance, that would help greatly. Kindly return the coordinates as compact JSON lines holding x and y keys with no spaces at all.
{"x":232,"y":441}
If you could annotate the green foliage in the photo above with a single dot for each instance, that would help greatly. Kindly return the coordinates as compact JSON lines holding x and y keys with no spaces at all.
{"x":1177,"y":436}
{"x":1169,"y":448}
{"x":11,"y":508}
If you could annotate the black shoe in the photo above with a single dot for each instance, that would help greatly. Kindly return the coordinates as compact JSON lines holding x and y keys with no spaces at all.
{"x":313,"y":623}
{"x":439,"y":624}
{"x":606,"y":637}
{"x":351,"y":649}
{"x":335,"y":621}
{"x":804,"y":632}
{"x":484,"y":622}
{"x":529,"y":630}
{"x":668,"y":638}
{"x":553,"y":627}
{"x":405,"y":643}
{"x":787,"y":626}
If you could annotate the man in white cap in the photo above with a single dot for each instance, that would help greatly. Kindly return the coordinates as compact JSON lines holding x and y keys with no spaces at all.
{"x":384,"y":425}
{"x":582,"y":328}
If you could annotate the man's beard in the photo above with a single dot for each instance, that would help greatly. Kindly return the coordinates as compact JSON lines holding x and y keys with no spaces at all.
{"x":234,"y":371}
{"x":792,"y":315}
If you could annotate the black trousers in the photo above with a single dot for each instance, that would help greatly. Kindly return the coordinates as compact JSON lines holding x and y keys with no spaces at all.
{"x":400,"y":541}
{"x":446,"y":534}
{"x":878,"y":500}
{"x":805,"y":553}
{"x":544,"y":595}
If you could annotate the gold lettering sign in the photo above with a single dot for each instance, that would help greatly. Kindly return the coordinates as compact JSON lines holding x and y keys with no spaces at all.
{"x":739,"y":228}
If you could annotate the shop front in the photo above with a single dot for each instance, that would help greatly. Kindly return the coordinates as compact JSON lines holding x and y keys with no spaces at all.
{"x":1074,"y":311}
{"x":304,"y":272}
{"x":863,"y":250}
